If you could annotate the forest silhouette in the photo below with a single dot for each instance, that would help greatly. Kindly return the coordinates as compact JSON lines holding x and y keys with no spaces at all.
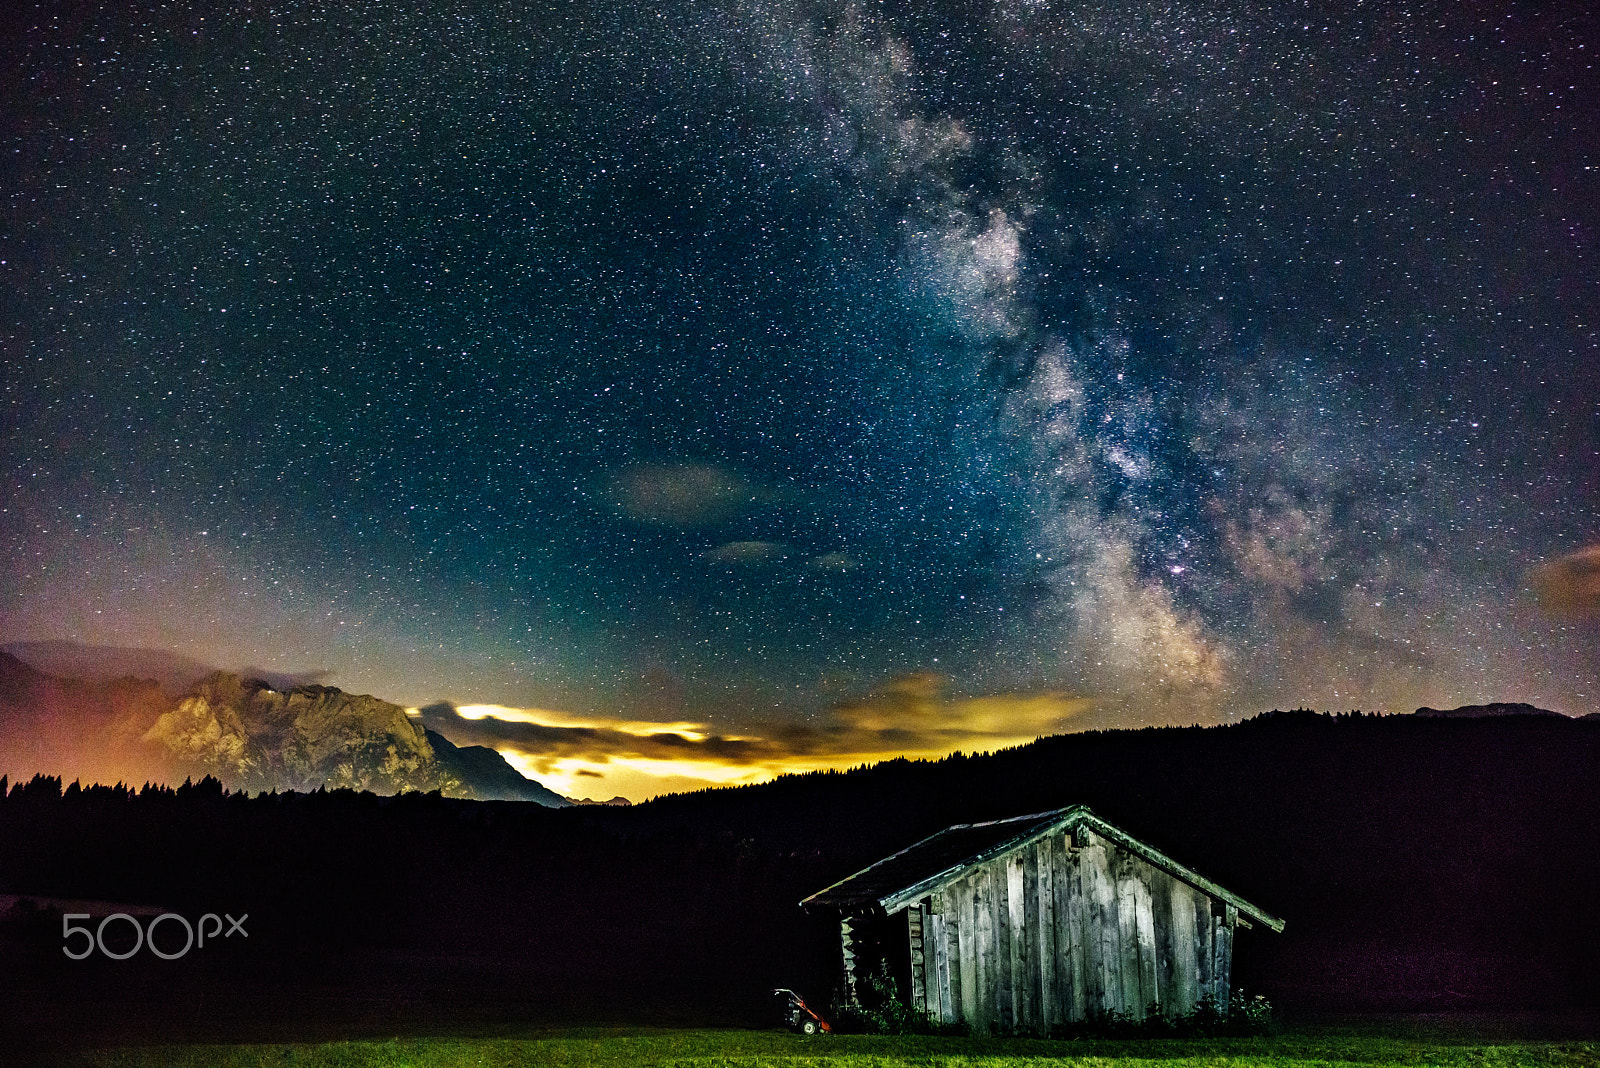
{"x":1421,"y":864}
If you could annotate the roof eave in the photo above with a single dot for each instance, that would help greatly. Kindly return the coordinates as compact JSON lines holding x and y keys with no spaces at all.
{"x":1075,"y":815}
{"x":1188,"y":875}
{"x":921,"y":886}
{"x":892,"y":903}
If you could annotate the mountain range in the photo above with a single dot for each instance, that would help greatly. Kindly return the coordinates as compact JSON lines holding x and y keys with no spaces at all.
{"x":109,"y":714}
{"x":245,"y":731}
{"x":1494,"y":709}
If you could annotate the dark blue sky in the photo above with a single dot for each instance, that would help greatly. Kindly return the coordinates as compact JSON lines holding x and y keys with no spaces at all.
{"x":722,"y":363}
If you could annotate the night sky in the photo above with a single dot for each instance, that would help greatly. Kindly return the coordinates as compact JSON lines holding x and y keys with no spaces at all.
{"x":724,"y":387}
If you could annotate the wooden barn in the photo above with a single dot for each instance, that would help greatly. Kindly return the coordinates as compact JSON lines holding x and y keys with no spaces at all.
{"x":1043,"y":920}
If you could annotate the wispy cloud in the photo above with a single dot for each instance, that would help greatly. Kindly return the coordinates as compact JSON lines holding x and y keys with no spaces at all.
{"x":1569,"y":586}
{"x":599,"y":757}
{"x":681,"y":494}
{"x":747,"y":553}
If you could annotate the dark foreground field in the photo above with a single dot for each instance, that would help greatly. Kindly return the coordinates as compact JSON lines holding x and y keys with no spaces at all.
{"x":1464,"y":1044}
{"x":1422,"y":866}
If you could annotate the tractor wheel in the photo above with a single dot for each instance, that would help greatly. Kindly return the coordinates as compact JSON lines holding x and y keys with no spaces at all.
{"x":808,"y":1027}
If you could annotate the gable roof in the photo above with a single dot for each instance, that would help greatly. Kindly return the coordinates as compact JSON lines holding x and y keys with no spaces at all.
{"x":940,"y":859}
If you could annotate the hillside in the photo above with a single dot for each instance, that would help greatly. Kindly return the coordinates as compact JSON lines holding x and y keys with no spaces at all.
{"x":1395,"y":847}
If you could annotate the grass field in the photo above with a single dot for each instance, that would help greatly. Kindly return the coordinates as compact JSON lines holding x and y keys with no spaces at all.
{"x":739,"y":1049}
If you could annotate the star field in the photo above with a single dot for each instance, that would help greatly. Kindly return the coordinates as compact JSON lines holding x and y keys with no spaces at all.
{"x":725,"y":364}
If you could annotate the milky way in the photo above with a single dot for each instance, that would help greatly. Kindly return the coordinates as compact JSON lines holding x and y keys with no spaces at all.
{"x":735,"y":363}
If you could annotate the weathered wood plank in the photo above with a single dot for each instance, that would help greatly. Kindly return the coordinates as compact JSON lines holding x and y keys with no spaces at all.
{"x":1230,"y":920}
{"x":1089,"y":929}
{"x":1205,"y":954}
{"x":1029,"y":968}
{"x":1104,"y":934}
{"x":1127,"y":963}
{"x":985,"y":1016}
{"x":936,"y":936}
{"x":1161,"y":908}
{"x":934,"y":926}
{"x":915,"y":916}
{"x":1184,"y":990}
{"x":1049,"y":958}
{"x":968,"y":979}
{"x":950,"y":1005}
{"x":1005,"y":948}
{"x":1145,"y":928}
{"x":1069,"y":937}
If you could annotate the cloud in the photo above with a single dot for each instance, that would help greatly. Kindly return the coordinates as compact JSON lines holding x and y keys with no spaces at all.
{"x":600,"y":740}
{"x":1568,"y":587}
{"x":747,"y":553}
{"x":681,"y":494}
{"x":912,"y":715}
{"x":288,"y":680}
{"x":836,"y":562}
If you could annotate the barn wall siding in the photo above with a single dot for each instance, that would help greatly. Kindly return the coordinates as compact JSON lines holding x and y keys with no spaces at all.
{"x":1063,"y":928}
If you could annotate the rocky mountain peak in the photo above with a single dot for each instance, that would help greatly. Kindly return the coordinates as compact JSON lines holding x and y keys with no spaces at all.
{"x":254,"y":737}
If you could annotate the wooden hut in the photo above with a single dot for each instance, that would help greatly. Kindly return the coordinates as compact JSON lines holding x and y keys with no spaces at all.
{"x":1030,"y":923}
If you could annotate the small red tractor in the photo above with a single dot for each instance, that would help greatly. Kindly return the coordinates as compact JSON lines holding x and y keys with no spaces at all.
{"x":798,"y":1016}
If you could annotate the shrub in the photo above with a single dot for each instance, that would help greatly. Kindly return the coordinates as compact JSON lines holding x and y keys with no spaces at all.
{"x":1242,"y":1015}
{"x":880,"y":1010}
{"x":1249,"y":1015}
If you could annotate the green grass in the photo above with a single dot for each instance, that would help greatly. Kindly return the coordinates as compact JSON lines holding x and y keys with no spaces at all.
{"x":750,"y":1049}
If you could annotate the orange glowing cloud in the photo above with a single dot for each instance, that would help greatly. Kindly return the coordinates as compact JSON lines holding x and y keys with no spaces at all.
{"x":1569,"y":586}
{"x":597,"y":758}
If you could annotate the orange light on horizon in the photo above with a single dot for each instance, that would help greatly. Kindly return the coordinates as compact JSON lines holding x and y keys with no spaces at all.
{"x":911,"y":717}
